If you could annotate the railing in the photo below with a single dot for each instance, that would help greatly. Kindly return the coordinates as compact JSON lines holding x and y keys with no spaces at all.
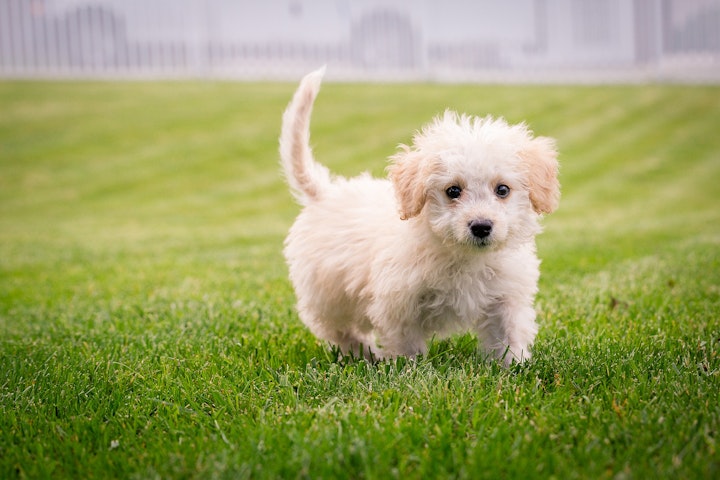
{"x":450,"y":40}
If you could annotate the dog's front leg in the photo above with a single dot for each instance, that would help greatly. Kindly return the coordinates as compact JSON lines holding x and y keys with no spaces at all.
{"x":397,"y":329}
{"x":509,"y":331}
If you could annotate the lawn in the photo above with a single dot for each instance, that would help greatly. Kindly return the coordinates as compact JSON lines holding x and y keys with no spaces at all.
{"x":147,"y":327}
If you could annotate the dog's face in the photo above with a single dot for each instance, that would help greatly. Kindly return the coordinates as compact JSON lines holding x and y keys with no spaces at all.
{"x":478,"y":182}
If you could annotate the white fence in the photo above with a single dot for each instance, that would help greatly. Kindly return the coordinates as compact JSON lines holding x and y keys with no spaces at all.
{"x":446,"y":40}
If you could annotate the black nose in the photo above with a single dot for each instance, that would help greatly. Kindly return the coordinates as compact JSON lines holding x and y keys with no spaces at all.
{"x":481,"y":228}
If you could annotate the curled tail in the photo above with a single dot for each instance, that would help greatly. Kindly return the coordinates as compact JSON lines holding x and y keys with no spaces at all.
{"x":305,"y":176}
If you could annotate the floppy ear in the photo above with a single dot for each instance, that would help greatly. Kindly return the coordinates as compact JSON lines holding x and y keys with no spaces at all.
{"x":541,"y":166}
{"x":407,"y":175}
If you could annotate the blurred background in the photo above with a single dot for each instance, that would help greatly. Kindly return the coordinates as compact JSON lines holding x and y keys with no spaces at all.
{"x":392,"y":40}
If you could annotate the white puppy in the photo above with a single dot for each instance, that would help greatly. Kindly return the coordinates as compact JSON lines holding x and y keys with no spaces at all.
{"x":445,"y":245}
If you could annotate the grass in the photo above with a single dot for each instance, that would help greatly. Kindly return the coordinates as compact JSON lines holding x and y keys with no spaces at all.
{"x":147,"y":327}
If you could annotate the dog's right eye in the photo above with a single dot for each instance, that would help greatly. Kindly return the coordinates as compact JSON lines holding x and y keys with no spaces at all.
{"x":453,"y":192}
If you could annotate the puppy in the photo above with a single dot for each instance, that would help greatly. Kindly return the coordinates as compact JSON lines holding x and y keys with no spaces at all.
{"x":446,"y":244}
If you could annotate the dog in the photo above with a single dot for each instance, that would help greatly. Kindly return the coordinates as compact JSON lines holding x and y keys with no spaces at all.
{"x":446,"y":244}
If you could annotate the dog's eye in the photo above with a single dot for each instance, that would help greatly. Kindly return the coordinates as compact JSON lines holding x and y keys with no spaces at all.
{"x":453,"y":192}
{"x":502,"y":190}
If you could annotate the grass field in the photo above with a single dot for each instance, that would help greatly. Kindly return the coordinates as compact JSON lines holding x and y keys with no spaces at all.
{"x":147,"y":327}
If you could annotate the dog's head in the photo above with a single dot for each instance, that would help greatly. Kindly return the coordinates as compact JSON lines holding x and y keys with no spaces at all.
{"x":477,"y":181}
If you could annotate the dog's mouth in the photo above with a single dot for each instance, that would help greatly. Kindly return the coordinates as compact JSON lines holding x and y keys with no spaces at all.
{"x":481,"y":242}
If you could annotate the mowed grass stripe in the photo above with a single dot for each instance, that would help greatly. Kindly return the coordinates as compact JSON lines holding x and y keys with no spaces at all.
{"x":98,"y":176}
{"x":650,"y":154}
{"x":641,"y":121}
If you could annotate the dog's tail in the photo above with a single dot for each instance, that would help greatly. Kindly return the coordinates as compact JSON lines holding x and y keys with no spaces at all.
{"x":305,"y":176}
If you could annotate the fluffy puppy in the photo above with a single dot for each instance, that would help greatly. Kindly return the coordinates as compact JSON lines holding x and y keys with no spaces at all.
{"x":446,"y":244}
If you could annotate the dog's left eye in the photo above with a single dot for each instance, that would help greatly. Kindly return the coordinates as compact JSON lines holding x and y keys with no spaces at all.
{"x":502,"y":190}
{"x":453,"y":192}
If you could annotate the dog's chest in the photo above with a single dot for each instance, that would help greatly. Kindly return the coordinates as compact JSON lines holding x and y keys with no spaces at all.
{"x":456,"y":304}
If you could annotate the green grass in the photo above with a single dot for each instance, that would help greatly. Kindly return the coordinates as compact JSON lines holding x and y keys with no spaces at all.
{"x":147,"y":327}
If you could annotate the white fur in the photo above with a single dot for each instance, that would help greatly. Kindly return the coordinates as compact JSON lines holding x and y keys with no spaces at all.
{"x":381,"y":266}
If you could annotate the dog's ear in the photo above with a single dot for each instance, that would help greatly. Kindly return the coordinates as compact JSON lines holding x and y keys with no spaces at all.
{"x":407,"y":173}
{"x":541,"y":166}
